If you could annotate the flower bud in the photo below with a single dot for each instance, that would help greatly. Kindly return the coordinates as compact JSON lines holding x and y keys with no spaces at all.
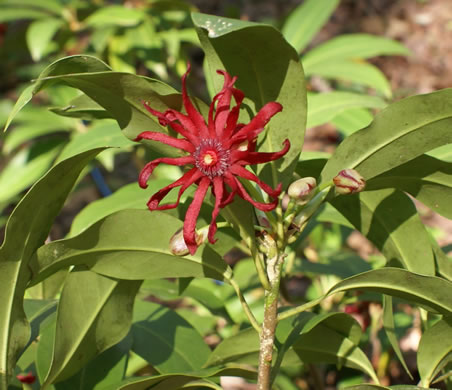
{"x":349,"y":181}
{"x":301,"y":189}
{"x":26,"y":378}
{"x":177,"y":243}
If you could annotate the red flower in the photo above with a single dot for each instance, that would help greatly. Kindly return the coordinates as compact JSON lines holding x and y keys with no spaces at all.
{"x":218,"y":151}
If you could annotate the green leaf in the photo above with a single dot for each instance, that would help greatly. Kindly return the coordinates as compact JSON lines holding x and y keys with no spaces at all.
{"x":9,"y":14}
{"x":115,"y":15}
{"x":130,"y":244}
{"x":26,"y":167}
{"x":24,"y":98}
{"x":351,"y":46}
{"x":390,"y":220}
{"x":165,"y":340}
{"x":426,"y":178}
{"x":322,"y":107}
{"x":53,"y":6}
{"x":403,"y":131}
{"x":82,"y":107}
{"x":263,"y":75}
{"x":356,"y":72}
{"x":101,"y":134}
{"x":428,"y":291}
{"x":352,"y":120}
{"x":40,"y":34}
{"x":389,"y":327}
{"x":105,"y":320}
{"x":306,"y":21}
{"x":171,"y":381}
{"x":130,"y":196}
{"x":26,"y":230}
{"x":435,"y":350}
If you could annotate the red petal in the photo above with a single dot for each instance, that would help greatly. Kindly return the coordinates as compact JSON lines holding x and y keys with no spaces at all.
{"x":243,"y":194}
{"x":233,"y":116}
{"x":185,"y":181}
{"x":258,"y":123}
{"x":252,"y":158}
{"x":192,"y":215}
{"x":169,"y":116}
{"x":149,"y":167}
{"x":193,"y":114}
{"x":242,"y":172}
{"x":166,"y":139}
{"x":218,"y":188}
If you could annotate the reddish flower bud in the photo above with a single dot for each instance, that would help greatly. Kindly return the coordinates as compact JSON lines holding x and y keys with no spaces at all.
{"x":26,"y":378}
{"x":349,"y":181}
{"x":301,"y":189}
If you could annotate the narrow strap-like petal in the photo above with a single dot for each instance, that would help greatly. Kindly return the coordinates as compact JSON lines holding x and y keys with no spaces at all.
{"x":185,"y":129}
{"x":192,"y":112}
{"x":224,"y":102}
{"x":218,"y":188}
{"x":233,"y":116}
{"x":192,"y":215}
{"x":149,"y":167}
{"x":185,"y":181}
{"x":242,"y":172}
{"x":258,"y":122}
{"x":245,"y":157}
{"x":243,"y":194}
{"x":166,"y":139}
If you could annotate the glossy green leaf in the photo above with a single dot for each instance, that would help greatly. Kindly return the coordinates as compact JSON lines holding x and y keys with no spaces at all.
{"x":403,"y":131}
{"x":130,"y":196}
{"x":355,"y":72}
{"x":428,"y":291}
{"x":389,"y":327}
{"x":104,"y":321}
{"x":26,"y":167}
{"x":306,"y":20}
{"x":37,"y":311}
{"x":426,"y":178}
{"x":40,"y":34}
{"x":120,"y":94}
{"x":101,"y":134}
{"x":180,"y":379}
{"x":352,"y":120}
{"x":322,"y":107}
{"x":351,"y":46}
{"x":26,"y":230}
{"x":442,"y":153}
{"x":390,"y":220}
{"x":23,"y":99}
{"x":435,"y":350}
{"x":53,"y":6}
{"x":263,"y":75}
{"x":115,"y":15}
{"x":130,"y":244}
{"x":165,"y":340}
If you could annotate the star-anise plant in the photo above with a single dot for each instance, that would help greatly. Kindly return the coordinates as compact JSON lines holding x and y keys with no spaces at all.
{"x":218,"y":151}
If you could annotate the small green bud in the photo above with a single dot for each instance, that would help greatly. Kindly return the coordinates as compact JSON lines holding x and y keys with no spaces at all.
{"x":301,"y":189}
{"x":349,"y":181}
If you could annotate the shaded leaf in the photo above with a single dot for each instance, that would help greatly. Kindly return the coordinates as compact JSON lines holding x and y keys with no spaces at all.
{"x":435,"y":350}
{"x":105,"y":320}
{"x":389,"y":219}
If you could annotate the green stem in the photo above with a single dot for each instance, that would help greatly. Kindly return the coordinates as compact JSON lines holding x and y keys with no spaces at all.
{"x":245,"y":306}
{"x":300,"y":309}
